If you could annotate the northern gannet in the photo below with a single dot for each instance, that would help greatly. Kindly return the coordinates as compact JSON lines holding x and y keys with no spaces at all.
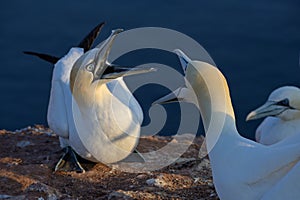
{"x":242,"y":169}
{"x":107,"y":116}
{"x":282,"y":110}
{"x":60,"y":114}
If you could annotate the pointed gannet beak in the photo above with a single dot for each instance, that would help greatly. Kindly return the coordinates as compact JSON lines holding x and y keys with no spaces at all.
{"x":105,"y":70}
{"x":182,"y":94}
{"x":270,"y":108}
{"x":101,"y":57}
{"x":179,"y":95}
{"x":113,"y":72}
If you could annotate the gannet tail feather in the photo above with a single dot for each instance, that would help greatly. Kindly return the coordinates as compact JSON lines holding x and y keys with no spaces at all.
{"x":46,"y":57}
{"x":88,"y":41}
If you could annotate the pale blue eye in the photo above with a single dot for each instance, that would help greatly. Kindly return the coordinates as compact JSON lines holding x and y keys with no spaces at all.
{"x":90,"y":67}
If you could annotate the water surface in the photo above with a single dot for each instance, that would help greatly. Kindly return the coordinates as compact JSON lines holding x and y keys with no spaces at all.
{"x":256,"y":44}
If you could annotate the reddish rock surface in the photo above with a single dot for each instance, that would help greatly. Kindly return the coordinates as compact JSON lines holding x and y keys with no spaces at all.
{"x":28,"y":156}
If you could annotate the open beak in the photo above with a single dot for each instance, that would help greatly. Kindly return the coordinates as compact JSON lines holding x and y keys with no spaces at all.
{"x":105,"y":70}
{"x":178,"y":95}
{"x":101,"y":57}
{"x":113,"y":72}
{"x":268,"y":109}
{"x":183,"y":93}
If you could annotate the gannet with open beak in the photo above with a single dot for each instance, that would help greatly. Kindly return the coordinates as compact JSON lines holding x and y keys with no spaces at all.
{"x":60,"y":115}
{"x":107,"y":116}
{"x":282,"y":110}
{"x":242,"y":169}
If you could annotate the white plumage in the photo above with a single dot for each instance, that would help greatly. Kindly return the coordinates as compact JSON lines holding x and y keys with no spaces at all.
{"x":242,"y":169}
{"x":113,"y":114}
{"x":60,"y":114}
{"x":107,"y":116}
{"x":282,"y":112}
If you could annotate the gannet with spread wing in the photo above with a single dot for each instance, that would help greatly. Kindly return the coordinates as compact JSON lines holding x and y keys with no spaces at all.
{"x":60,"y":115}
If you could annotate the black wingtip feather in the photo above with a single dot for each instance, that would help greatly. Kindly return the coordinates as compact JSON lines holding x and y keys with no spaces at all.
{"x":86,"y":44}
{"x":88,"y":41}
{"x":46,"y":57}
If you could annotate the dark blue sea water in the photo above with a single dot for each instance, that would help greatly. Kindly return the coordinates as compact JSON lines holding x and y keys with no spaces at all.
{"x":255,"y":43}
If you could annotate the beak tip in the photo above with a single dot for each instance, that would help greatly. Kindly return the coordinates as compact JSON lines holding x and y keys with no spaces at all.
{"x":159,"y":101}
{"x":156,"y":102}
{"x":250,"y":116}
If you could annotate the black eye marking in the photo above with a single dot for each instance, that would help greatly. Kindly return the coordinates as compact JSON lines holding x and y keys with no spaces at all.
{"x":284,"y":102}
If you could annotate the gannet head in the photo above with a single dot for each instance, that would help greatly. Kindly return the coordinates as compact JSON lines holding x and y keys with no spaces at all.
{"x":283,"y":103}
{"x":93,"y":66}
{"x":207,"y":89}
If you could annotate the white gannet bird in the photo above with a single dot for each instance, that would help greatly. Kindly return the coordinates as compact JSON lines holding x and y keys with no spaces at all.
{"x":107,"y":116}
{"x":282,"y":110}
{"x":242,"y":169}
{"x":60,"y":113}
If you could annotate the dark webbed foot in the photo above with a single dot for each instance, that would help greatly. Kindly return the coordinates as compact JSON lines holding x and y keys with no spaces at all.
{"x":69,"y":162}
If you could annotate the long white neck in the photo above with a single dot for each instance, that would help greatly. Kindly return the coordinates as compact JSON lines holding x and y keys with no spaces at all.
{"x":214,"y":101}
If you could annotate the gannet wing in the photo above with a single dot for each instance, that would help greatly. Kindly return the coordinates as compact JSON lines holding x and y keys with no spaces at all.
{"x":86,"y":44}
{"x":57,"y":112}
{"x":261,"y":159}
{"x":287,"y":187}
{"x":263,"y":134}
{"x":60,"y":95}
{"x":46,"y":57}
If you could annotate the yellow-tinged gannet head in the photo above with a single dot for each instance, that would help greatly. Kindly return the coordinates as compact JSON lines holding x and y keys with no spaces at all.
{"x":283,"y":103}
{"x":194,"y":82}
{"x":205,"y":86}
{"x":94,"y":66}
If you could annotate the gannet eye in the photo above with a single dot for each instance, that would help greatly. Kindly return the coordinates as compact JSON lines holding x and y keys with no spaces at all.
{"x":284,"y":102}
{"x":90,"y":67}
